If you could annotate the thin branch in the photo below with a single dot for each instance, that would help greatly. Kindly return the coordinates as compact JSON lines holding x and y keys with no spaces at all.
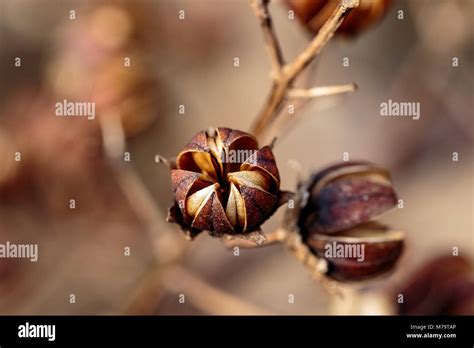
{"x":324,"y":91}
{"x":147,"y":294}
{"x":322,"y":38}
{"x":272,"y":106}
{"x":290,"y":71}
{"x":166,"y":246}
{"x":206,"y":297}
{"x":113,"y":135}
{"x":260,"y":9}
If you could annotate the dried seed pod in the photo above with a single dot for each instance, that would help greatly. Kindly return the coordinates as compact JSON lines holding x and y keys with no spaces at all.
{"x":130,"y":94}
{"x":224,"y":184}
{"x":345,"y":195}
{"x":358,"y":254}
{"x":314,"y":13}
{"x":330,"y":224}
{"x":442,"y":286}
{"x":100,"y":58}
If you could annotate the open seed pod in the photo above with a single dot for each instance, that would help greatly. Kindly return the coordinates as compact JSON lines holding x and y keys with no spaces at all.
{"x":358,"y":254}
{"x":345,"y":195}
{"x":224,"y":184}
{"x":314,"y":13}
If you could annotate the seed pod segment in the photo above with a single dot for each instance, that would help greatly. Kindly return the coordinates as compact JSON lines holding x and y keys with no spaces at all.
{"x":358,"y":254}
{"x":345,"y":195}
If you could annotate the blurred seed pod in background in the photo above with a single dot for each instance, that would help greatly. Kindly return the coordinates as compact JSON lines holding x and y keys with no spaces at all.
{"x":129,"y":93}
{"x":441,"y":286}
{"x":60,"y":157}
{"x":103,"y":58}
{"x":314,"y":13}
{"x":224,"y":183}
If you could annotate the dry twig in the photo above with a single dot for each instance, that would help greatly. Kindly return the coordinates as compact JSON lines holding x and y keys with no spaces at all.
{"x":285,"y":74}
{"x":260,"y":9}
{"x":321,"y":91}
{"x":206,"y":297}
{"x":166,"y":246}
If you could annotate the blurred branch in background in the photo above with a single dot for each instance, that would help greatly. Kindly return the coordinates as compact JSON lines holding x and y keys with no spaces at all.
{"x":207,"y":298}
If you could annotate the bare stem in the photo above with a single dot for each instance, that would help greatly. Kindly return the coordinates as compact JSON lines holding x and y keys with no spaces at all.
{"x":294,"y":68}
{"x":165,"y":245}
{"x":287,"y":73}
{"x":206,"y":297}
{"x":147,"y":294}
{"x":260,"y":9}
{"x":317,"y":92}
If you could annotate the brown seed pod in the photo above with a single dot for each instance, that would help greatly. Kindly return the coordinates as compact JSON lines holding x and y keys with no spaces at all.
{"x":345,"y":195}
{"x":331,"y":215}
{"x":358,"y":254}
{"x":130,"y":94}
{"x":442,"y":286}
{"x":101,"y":58}
{"x":224,"y":184}
{"x":314,"y":13}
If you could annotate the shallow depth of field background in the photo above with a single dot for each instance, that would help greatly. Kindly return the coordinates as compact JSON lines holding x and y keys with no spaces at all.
{"x":81,"y":251}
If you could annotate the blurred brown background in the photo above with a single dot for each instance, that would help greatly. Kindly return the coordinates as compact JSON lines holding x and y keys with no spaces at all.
{"x":190,"y":62}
